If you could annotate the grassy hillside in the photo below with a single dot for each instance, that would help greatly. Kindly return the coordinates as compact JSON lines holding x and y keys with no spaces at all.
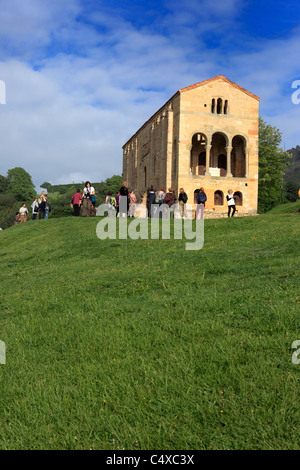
{"x":142,"y":345}
{"x":289,"y":208}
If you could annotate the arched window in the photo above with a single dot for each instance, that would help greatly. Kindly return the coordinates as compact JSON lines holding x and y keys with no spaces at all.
{"x":238,"y":156}
{"x":219,"y":106}
{"x":213,"y":105}
{"x":238,"y":198}
{"x":198,"y":147}
{"x":226,"y":107}
{"x":218,"y":198}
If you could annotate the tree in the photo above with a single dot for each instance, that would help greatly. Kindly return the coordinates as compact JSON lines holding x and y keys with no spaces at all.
{"x":20,"y":184}
{"x":112,"y":184}
{"x":272,"y":163}
{"x":292,"y":173}
{"x":47,"y":186}
{"x":291,"y":191}
{"x":3,"y":184}
{"x":8,"y":208}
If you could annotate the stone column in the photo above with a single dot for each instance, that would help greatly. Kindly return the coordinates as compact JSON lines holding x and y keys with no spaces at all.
{"x":169,"y":146}
{"x":125,"y":156}
{"x":207,"y":160}
{"x":130,"y":163}
{"x":151,"y":158}
{"x":246,"y":151}
{"x":228,"y":150}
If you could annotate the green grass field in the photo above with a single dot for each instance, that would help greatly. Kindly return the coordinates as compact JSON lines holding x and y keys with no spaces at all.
{"x":122,"y":344}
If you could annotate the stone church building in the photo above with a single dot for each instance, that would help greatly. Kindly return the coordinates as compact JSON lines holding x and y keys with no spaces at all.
{"x":206,"y":135}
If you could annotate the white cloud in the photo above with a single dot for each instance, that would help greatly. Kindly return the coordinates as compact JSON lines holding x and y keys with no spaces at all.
{"x":80,"y":82}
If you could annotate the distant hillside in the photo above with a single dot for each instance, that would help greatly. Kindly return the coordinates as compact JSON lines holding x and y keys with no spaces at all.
{"x":110,"y":184}
{"x":292,"y":173}
{"x":62,"y":188}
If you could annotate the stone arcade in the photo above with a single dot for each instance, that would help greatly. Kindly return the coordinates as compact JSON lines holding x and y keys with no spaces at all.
{"x":206,"y":135}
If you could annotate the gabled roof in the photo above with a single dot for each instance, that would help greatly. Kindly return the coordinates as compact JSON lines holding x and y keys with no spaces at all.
{"x":191,"y":87}
{"x":218,"y":77}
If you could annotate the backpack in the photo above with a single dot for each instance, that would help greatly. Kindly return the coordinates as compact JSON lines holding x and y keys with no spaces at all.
{"x":42,"y":205}
{"x":201,"y":198}
{"x":184,"y":198}
{"x":170,"y":199}
{"x":112,"y":200}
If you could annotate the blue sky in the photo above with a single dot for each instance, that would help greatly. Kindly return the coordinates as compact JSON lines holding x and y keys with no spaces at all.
{"x":82,"y":76}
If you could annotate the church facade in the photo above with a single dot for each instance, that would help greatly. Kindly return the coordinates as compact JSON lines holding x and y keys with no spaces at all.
{"x":206,"y":135}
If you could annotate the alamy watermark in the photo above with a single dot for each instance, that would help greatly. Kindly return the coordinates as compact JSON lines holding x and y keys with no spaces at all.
{"x":161,"y":215}
{"x":2,"y":92}
{"x":2,"y":353}
{"x":296,"y":94}
{"x":296,"y":354}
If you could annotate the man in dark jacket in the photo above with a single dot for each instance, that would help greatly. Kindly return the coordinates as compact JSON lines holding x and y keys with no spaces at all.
{"x":182,"y":199}
{"x":150,"y":199}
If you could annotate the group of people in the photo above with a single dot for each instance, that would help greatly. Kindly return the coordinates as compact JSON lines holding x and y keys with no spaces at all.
{"x":85,"y":202}
{"x":113,"y":202}
{"x":157,"y":198}
{"x":154,"y":199}
{"x":40,"y":209}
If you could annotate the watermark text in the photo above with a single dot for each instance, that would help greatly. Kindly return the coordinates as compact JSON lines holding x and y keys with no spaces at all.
{"x":160,"y":222}
{"x":296,"y":94}
{"x":2,"y":353}
{"x":2,"y":92}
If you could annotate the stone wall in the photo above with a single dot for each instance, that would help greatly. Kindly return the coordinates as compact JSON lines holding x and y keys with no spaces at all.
{"x":206,"y":136}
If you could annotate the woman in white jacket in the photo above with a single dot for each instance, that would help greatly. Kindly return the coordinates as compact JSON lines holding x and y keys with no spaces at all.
{"x":35,"y":208}
{"x":230,"y":202}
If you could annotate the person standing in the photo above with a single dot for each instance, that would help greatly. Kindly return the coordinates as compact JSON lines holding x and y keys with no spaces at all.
{"x":17,"y":218}
{"x":35,"y":208}
{"x":47,"y":207}
{"x":201,"y":200}
{"x":231,"y":203}
{"x":161,"y":195}
{"x":117,"y":203}
{"x":170,"y":200}
{"x":23,"y":211}
{"x":182,"y":199}
{"x":150,"y":199}
{"x":132,"y":203}
{"x":42,"y":205}
{"x":87,"y":194}
{"x":125,"y":192}
{"x":76,"y":201}
{"x":110,"y":200}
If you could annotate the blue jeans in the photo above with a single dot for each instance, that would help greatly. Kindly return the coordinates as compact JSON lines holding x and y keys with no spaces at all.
{"x":47,"y":213}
